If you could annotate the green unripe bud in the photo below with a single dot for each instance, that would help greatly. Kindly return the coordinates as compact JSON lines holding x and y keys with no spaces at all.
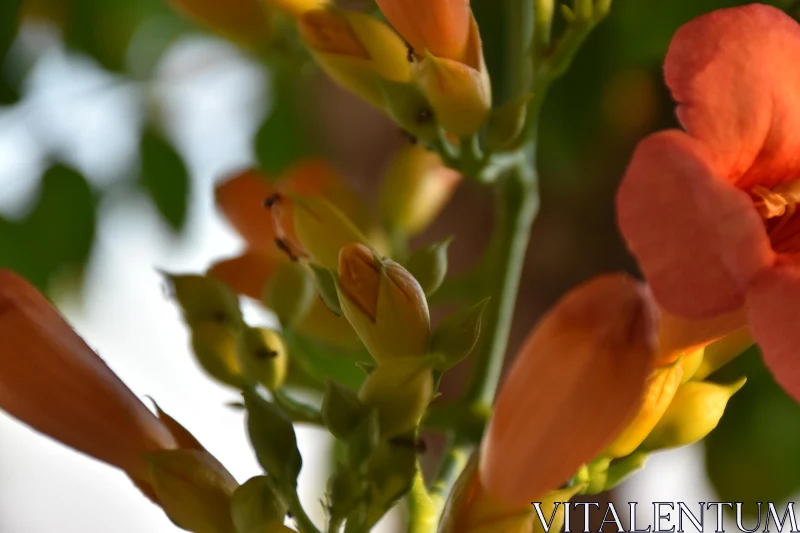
{"x":507,"y":122}
{"x":262,"y":357}
{"x":345,"y":493}
{"x":428,"y":265}
{"x":390,"y":473}
{"x":194,"y":489}
{"x":620,"y":469}
{"x":400,"y":389}
{"x":273,"y":438}
{"x":290,"y":293}
{"x":256,"y":506}
{"x":457,"y":335}
{"x":342,"y":411}
{"x":205,"y":299}
{"x":694,"y":413}
{"x":214,"y":346}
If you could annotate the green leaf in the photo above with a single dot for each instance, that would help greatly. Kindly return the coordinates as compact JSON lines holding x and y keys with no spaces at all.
{"x":9,"y":22}
{"x":752,"y":455}
{"x":324,"y":362}
{"x":283,"y":138}
{"x":165,"y":178}
{"x":274,"y":440}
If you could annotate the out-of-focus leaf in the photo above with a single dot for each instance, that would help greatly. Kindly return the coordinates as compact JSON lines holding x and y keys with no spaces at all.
{"x":283,"y":138}
{"x":165,"y":178}
{"x":56,"y":237}
{"x":9,"y":22}
{"x":323,"y":362}
{"x":752,"y":455}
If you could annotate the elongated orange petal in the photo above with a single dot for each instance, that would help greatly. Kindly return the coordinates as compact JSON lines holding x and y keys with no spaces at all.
{"x":52,"y":381}
{"x":679,"y":336}
{"x":439,"y":26}
{"x":248,"y":273}
{"x":576,"y":383}
{"x":241,"y":199}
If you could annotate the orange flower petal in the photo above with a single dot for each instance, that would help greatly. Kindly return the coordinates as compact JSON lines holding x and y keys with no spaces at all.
{"x":439,"y":26}
{"x":52,"y":381}
{"x":240,"y":20}
{"x":241,"y":199}
{"x":697,"y":238}
{"x":576,"y":383}
{"x":678,"y":336}
{"x":736,"y":75}
{"x":775,"y":320}
{"x":248,"y":273}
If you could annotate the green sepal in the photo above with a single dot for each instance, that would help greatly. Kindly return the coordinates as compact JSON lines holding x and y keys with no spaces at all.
{"x":429,"y":265}
{"x":456,"y":337}
{"x":326,"y":285}
{"x":620,"y":469}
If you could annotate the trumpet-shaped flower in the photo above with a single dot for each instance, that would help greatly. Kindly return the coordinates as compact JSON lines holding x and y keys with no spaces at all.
{"x":575,"y":385}
{"x":710,"y":211}
{"x":52,"y":381}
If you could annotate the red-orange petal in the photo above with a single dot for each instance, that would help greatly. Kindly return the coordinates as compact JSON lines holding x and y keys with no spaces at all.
{"x":736,"y":75}
{"x":576,"y":383}
{"x":248,"y":273}
{"x":698,"y":238}
{"x":439,"y":26}
{"x":774,"y":306}
{"x":241,"y":199}
{"x":52,"y":381}
{"x":678,"y":336}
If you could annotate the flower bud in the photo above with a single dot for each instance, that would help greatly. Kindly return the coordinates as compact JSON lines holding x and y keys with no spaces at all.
{"x":694,"y":413}
{"x":53,"y":382}
{"x":507,"y":122}
{"x":273,"y":438}
{"x":384,"y":303}
{"x":390,"y":472}
{"x":214,"y":347}
{"x":400,"y":389}
{"x":290,"y":293}
{"x":262,"y":357}
{"x":244,"y":21}
{"x":256,"y":505}
{"x":590,"y":356}
{"x":194,"y":489}
{"x":323,"y":229}
{"x":620,"y":469}
{"x":690,"y":364}
{"x":205,"y":299}
{"x":660,"y":390}
{"x":356,"y":50}
{"x":439,"y":26}
{"x":342,"y":411}
{"x":428,"y":265}
{"x":459,"y":92}
{"x":415,"y":189}
{"x":723,"y":351}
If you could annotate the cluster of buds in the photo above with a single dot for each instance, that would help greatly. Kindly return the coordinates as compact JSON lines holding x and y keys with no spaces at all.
{"x":432,"y":75}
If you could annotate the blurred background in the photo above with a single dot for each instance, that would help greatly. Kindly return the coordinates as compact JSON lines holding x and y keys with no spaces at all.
{"x":117,"y":117}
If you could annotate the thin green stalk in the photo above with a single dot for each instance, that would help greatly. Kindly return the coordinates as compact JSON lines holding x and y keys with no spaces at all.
{"x":449,"y":471}
{"x":422,"y":511}
{"x":301,"y":519}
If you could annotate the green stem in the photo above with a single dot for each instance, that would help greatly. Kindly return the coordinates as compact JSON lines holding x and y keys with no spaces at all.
{"x":301,"y":519}
{"x":423,"y":513}
{"x":516,"y":207}
{"x":451,"y":467}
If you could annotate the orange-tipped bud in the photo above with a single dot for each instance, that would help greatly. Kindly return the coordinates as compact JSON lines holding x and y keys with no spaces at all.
{"x":575,"y":385}
{"x":384,"y":304}
{"x":438,"y":26}
{"x":459,"y":92}
{"x":52,"y":381}
{"x":244,"y":21}
{"x":356,"y":50}
{"x":415,"y":189}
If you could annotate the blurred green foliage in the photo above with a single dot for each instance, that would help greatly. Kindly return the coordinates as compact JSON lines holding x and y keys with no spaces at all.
{"x":165,"y":178}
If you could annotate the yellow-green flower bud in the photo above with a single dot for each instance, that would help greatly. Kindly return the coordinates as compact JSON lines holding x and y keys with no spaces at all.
{"x":194,"y":489}
{"x":400,"y":389}
{"x":507,"y":122}
{"x":415,"y":189}
{"x":620,"y":469}
{"x":694,"y":413}
{"x":428,"y":265}
{"x":719,"y":353}
{"x":290,"y":293}
{"x":356,"y":50}
{"x":342,"y":411}
{"x":659,"y":393}
{"x":691,"y":363}
{"x":205,"y":299}
{"x":323,"y":229}
{"x":262,"y":357}
{"x":214,"y":347}
{"x":273,"y":438}
{"x":256,"y":506}
{"x":384,"y":303}
{"x":390,"y":472}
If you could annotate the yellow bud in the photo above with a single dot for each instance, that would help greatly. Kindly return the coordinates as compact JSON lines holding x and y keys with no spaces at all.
{"x":694,"y":413}
{"x":205,"y":299}
{"x":214,"y":347}
{"x":690,"y":363}
{"x":401,"y":390}
{"x":721,"y":352}
{"x":659,"y":392}
{"x":194,"y":489}
{"x":244,"y":21}
{"x":256,"y":506}
{"x":323,"y":229}
{"x":415,"y":189}
{"x":459,"y":92}
{"x":262,"y":356}
{"x":356,"y":50}
{"x":384,"y":304}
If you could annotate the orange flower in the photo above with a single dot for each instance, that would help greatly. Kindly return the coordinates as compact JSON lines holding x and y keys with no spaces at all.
{"x":709,"y":211}
{"x":438,"y":26}
{"x":576,"y":384}
{"x":52,"y":381}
